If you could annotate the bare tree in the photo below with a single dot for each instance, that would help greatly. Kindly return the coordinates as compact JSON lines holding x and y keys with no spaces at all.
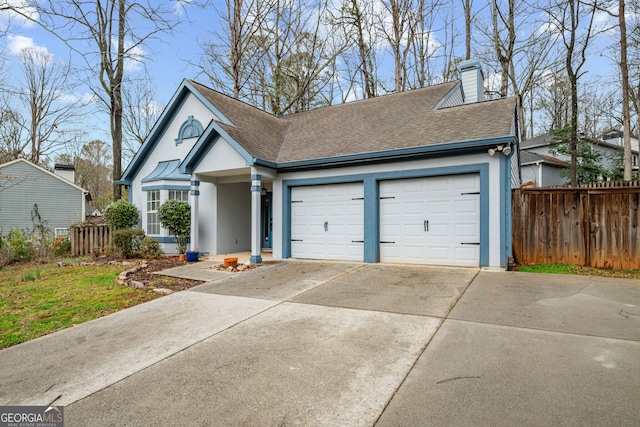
{"x":400,"y":36}
{"x":141,"y":110}
{"x":467,"y":6}
{"x":107,"y":34}
{"x":12,"y":143}
{"x":231,"y":57}
{"x":46,"y":82}
{"x":574,"y":21}
{"x":356,"y":17}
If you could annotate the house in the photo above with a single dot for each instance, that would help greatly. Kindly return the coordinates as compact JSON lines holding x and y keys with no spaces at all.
{"x":24,"y":185}
{"x":422,"y":176}
{"x":541,"y":164}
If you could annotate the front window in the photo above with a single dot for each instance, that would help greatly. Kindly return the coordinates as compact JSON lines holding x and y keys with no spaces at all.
{"x":182,"y":195}
{"x":153,"y":203}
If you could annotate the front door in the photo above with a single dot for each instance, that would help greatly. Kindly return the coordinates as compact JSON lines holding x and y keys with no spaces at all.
{"x":266,"y":220}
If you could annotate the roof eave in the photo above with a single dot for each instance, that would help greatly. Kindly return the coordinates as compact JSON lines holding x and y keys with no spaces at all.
{"x":395,"y":154}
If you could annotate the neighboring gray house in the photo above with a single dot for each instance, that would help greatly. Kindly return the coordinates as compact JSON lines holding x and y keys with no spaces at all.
{"x":60,"y":202}
{"x":540,"y":164}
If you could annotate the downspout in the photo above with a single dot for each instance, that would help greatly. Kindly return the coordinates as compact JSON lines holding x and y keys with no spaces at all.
{"x":539,"y":174}
{"x":84,"y":205}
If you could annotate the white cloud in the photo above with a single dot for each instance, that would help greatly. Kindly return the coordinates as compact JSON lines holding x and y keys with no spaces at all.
{"x":17,"y":12}
{"x":179,"y":7}
{"x":16,"y":44}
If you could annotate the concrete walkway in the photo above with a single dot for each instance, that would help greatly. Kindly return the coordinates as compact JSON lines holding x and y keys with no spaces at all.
{"x":318,"y":343}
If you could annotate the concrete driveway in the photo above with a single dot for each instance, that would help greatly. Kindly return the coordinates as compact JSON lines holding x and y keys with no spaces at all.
{"x":317,"y":343}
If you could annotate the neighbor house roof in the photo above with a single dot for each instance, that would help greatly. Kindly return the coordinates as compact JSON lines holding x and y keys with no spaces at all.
{"x":528,"y":158}
{"x":402,"y":120}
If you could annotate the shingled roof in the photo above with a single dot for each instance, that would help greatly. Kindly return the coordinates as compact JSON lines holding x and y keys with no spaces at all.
{"x":396,"y":121}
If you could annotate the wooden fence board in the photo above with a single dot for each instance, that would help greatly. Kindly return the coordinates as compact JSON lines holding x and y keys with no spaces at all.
{"x":585,"y":226}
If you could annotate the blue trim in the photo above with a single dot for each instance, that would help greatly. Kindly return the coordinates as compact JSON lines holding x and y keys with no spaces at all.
{"x":191,"y":128}
{"x":221,"y":117}
{"x":372,"y":213}
{"x":195,"y":183}
{"x":371,"y":222}
{"x":195,"y":192}
{"x":255,"y":259}
{"x":206,"y":142}
{"x":256,"y":177}
{"x":505,"y":211}
{"x":413,"y":153}
{"x":129,"y":194}
{"x":165,"y":239}
{"x":256,"y":188}
{"x":166,"y":187}
{"x":156,"y":134}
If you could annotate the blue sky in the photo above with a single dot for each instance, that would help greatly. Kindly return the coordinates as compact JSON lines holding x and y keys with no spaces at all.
{"x":170,"y":60}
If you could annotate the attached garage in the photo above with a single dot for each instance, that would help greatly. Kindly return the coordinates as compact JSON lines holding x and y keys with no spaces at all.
{"x":327,"y":222}
{"x":433,"y":220}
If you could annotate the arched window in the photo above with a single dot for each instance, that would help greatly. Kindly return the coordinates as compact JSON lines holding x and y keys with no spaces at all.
{"x":191,"y":128}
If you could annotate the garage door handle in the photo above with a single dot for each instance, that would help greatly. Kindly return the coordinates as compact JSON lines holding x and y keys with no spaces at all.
{"x":382,"y":241}
{"x":426,"y":225}
{"x":326,"y":226}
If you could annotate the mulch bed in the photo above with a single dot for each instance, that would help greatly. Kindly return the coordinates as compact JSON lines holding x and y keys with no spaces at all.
{"x":146,"y":276}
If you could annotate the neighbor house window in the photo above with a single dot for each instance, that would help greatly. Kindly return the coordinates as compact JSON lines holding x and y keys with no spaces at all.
{"x":61,"y":232}
{"x":182,"y":195}
{"x":153,"y":203}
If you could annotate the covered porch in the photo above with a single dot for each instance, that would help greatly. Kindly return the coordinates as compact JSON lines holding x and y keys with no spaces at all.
{"x":232,"y":212}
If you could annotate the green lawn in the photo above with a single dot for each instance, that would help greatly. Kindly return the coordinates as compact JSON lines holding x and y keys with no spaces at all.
{"x":577,"y":269}
{"x":38,"y":299}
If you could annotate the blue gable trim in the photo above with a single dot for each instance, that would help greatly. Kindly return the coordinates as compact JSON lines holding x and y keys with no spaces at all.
{"x":371,"y":203}
{"x":156,"y":134}
{"x":205,"y":143}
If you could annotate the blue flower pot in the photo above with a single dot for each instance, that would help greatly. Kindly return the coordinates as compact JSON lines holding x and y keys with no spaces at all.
{"x":192,"y":256}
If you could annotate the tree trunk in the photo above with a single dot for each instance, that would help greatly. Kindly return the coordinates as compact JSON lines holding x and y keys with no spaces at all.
{"x":624,"y":73}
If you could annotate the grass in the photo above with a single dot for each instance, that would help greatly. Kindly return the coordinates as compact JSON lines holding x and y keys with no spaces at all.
{"x":580,"y":270}
{"x":38,"y":299}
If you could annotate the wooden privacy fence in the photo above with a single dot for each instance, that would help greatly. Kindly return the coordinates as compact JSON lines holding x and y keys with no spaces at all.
{"x":597,"y":227}
{"x":89,"y":238}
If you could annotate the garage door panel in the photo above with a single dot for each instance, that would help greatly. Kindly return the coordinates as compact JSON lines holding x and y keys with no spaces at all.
{"x":325,"y":220}
{"x":453,"y":219}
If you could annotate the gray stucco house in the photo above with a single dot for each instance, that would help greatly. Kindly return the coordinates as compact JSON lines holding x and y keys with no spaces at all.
{"x":59,"y":201}
{"x":420,"y":177}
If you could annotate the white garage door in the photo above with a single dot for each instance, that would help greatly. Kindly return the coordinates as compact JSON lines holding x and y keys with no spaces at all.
{"x":431,"y":220}
{"x":327,"y":222}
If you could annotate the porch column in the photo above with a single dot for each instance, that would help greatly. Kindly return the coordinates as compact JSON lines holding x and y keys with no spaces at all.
{"x":256,"y":241}
{"x":194,"y":199}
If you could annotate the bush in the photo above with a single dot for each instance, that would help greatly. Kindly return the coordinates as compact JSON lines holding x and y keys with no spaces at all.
{"x":175,"y":215}
{"x":128,"y":242}
{"x":121,"y":215}
{"x":61,"y":246}
{"x":150,"y":248}
{"x":19,"y":245}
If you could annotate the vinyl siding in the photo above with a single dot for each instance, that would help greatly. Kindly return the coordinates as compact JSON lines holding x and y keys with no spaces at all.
{"x":23,"y":185}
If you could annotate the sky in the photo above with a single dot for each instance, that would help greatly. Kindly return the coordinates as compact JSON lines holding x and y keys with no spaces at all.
{"x":167,"y":62}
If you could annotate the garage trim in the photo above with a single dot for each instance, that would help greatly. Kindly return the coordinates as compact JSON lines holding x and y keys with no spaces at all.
{"x":371,"y":205}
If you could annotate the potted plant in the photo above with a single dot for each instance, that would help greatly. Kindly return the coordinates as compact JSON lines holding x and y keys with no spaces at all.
{"x":175,"y":215}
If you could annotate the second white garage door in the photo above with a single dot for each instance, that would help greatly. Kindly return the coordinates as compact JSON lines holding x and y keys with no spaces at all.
{"x":327,"y":222}
{"x":431,"y":220}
